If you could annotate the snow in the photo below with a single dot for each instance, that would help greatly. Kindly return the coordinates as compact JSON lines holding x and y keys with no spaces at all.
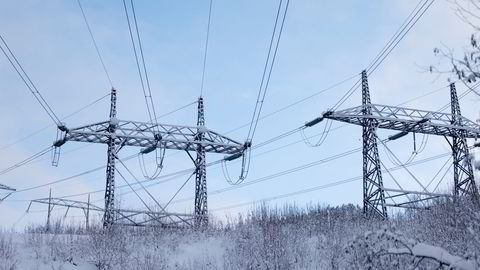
{"x":329,"y":238}
{"x":437,"y":253}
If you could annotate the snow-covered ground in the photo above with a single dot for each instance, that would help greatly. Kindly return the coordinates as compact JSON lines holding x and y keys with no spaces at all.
{"x":446,"y":237}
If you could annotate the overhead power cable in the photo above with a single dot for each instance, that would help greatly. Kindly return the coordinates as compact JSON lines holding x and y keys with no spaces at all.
{"x":206,"y":47}
{"x":95,"y":43}
{"x":27,"y":81}
{"x":404,"y":29}
{"x":267,"y":70}
{"x":145,"y":82}
{"x":49,"y":126}
{"x":34,"y":157}
{"x":462,"y":95}
{"x":300,"y":168}
{"x":255,"y":146}
{"x":26,"y":161}
{"x":147,"y":91}
{"x":290,"y":105}
{"x":396,"y":36}
{"x":278,"y":137}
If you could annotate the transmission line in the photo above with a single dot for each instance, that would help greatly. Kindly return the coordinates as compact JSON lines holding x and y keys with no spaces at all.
{"x":206,"y":47}
{"x":413,"y":20}
{"x":404,"y":29}
{"x":26,"y":161}
{"x":95,"y":43}
{"x":278,"y":137}
{"x":27,"y":81}
{"x":288,"y":106}
{"x":48,"y":126}
{"x":262,"y":91}
{"x":145,"y":84}
{"x":88,"y":171}
{"x":278,"y":174}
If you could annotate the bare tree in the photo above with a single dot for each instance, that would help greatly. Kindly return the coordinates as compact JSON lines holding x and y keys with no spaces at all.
{"x":464,"y":66}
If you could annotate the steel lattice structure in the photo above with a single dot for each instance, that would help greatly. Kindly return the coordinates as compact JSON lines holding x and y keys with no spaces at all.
{"x":373,"y":194}
{"x":7,"y":188}
{"x":463,"y":175}
{"x":373,"y":116}
{"x":121,"y":216}
{"x":201,"y":209}
{"x":151,"y":136}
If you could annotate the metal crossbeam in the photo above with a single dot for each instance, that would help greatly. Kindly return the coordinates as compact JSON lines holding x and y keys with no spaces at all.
{"x":4,"y":187}
{"x":123,"y":216}
{"x":143,"y":134}
{"x":406,"y":119}
{"x":418,"y":197}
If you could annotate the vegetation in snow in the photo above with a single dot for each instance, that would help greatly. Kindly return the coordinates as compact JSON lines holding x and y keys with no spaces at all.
{"x":444,"y":237}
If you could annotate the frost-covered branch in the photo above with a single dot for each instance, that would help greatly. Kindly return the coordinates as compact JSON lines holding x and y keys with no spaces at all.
{"x":422,"y":250}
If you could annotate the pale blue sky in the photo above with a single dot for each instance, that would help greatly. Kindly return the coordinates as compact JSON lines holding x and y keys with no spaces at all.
{"x":323,"y":43}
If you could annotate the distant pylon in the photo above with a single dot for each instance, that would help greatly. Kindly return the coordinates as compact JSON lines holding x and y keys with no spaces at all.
{"x":108,"y":217}
{"x":201,"y":209}
{"x":463,"y":174}
{"x":373,"y":193}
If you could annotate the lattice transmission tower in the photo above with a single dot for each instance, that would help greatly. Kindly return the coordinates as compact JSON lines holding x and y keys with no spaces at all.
{"x":117,"y":134}
{"x":374,"y":116}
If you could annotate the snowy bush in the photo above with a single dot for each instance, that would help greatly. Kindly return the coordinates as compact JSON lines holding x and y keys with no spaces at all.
{"x":386,"y":249}
{"x":8,"y":253}
{"x":106,"y":249}
{"x":446,"y":237}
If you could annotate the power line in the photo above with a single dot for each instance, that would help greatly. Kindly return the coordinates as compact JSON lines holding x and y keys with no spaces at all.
{"x":35,"y":157}
{"x":206,"y":47}
{"x":27,"y":81}
{"x":262,"y":91}
{"x":83,"y":173}
{"x":148,"y":97}
{"x":289,"y":171}
{"x":95,"y":43}
{"x":103,"y":166}
{"x":404,"y":29}
{"x":25,"y":161}
{"x":395,"y":35}
{"x":48,"y":126}
{"x":288,"y":106}
{"x":278,"y":137}
{"x":257,"y":155}
{"x":176,"y":110}
{"x":400,"y":38}
{"x":462,"y":95}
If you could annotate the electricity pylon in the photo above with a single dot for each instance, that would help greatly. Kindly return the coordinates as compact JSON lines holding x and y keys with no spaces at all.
{"x":373,"y":193}
{"x":374,"y":116}
{"x":151,"y":136}
{"x":201,"y":209}
{"x":463,"y":175}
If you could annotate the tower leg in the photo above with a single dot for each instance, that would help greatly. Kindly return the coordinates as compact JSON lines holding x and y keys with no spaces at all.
{"x":201,"y":210}
{"x":373,"y":193}
{"x":463,"y":174}
{"x":108,"y":217}
{"x":87,"y":214}
{"x":49,"y":211}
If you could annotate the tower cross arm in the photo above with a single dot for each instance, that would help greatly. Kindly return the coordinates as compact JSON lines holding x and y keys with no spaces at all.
{"x":406,"y":119}
{"x":5,"y":187}
{"x":151,"y":135}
